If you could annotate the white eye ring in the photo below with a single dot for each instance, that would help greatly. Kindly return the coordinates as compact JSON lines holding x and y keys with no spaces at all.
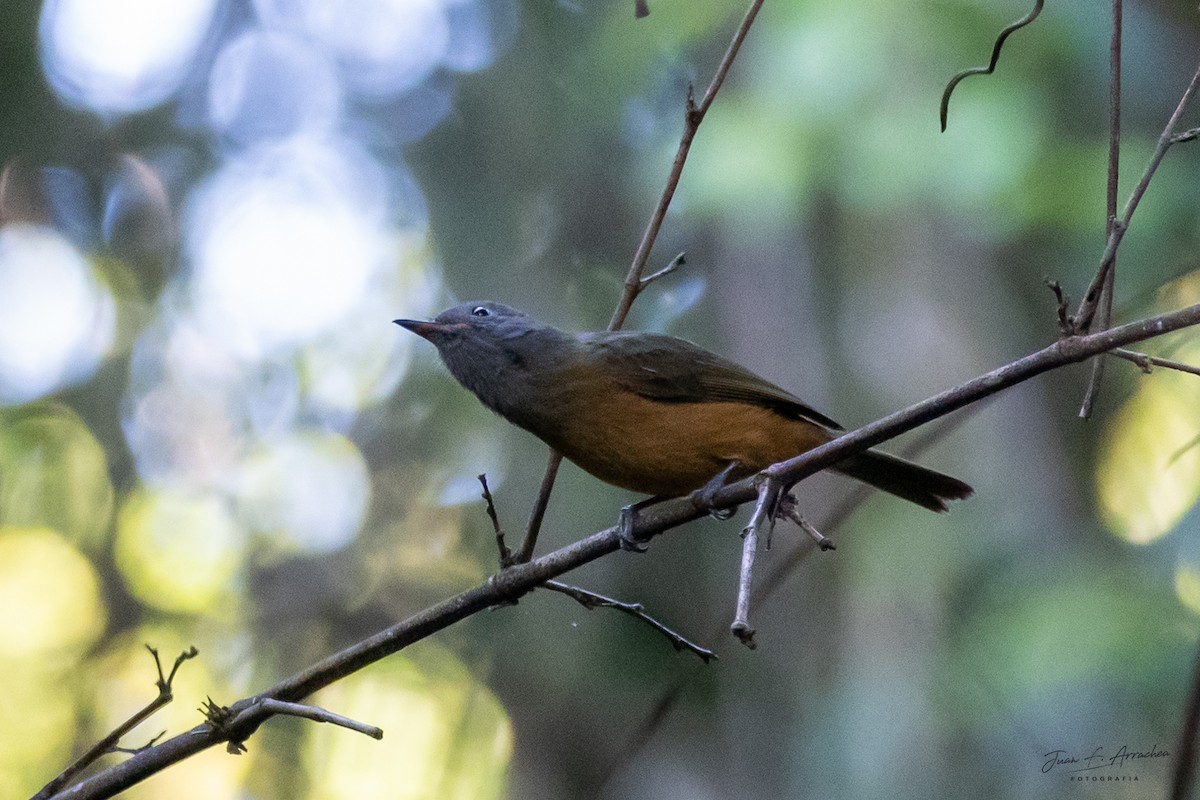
{"x":481,"y":311}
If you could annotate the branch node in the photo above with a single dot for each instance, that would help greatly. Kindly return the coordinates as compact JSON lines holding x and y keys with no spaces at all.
{"x":1066,"y":325}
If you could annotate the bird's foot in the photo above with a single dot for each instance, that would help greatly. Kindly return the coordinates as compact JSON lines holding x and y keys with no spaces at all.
{"x":629,"y":543}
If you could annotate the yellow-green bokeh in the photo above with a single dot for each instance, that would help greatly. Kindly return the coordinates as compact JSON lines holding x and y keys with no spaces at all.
{"x":125,"y":681}
{"x":54,"y":472}
{"x":49,"y":594}
{"x":446,"y":736}
{"x":1148,"y":470}
{"x":178,"y":550}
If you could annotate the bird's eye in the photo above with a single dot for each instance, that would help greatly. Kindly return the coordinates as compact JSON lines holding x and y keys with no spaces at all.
{"x":481,"y":311}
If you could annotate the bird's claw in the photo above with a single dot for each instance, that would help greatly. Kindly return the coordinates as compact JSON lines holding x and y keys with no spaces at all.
{"x":629,"y":543}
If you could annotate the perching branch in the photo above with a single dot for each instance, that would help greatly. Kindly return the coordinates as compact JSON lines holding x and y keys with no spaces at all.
{"x":653,"y":520}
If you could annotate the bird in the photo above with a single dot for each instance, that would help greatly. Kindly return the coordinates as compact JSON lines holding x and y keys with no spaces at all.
{"x":648,"y":412}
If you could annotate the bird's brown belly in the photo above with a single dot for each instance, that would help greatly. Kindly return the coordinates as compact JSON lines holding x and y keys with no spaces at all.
{"x":670,"y":449}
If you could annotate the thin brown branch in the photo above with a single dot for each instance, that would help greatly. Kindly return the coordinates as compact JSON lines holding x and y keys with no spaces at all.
{"x":634,"y":282}
{"x":693,"y":116}
{"x":109,"y":743}
{"x":591,"y":600}
{"x":1082,"y":319}
{"x":1110,"y":215}
{"x":502,"y":549}
{"x":653,"y":520}
{"x":1183,"y":774}
{"x":318,"y":714}
{"x":1148,"y":362}
{"x":760,"y":524}
{"x":553,"y":462}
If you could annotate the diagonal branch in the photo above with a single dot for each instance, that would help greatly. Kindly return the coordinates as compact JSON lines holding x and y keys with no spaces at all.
{"x":522,"y":578}
{"x":1087,"y":306}
{"x":634,"y":282}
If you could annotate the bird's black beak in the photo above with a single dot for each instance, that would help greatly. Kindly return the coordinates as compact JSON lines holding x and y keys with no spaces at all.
{"x":426,"y":330}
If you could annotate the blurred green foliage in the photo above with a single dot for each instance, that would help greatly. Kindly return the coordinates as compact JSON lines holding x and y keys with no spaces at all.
{"x":836,"y":243}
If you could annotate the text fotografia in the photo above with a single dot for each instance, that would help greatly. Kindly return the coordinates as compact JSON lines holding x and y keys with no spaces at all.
{"x":1100,"y":763}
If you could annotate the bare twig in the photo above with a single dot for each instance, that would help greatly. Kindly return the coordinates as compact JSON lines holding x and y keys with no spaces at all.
{"x":591,"y":600}
{"x":675,"y":263}
{"x":317,"y":714}
{"x":1148,"y":362}
{"x":761,"y":521}
{"x":652,"y":521}
{"x":109,"y":743}
{"x":1082,"y":319}
{"x":553,"y":462}
{"x":634,"y":282}
{"x":693,"y":116}
{"x":991,"y":67}
{"x":1114,"y":159}
{"x":1183,"y":775}
{"x":505,"y":554}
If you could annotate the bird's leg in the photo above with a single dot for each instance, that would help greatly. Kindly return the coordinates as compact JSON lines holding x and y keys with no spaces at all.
{"x":703,"y":497}
{"x":629,"y":543}
{"x":787,"y":508}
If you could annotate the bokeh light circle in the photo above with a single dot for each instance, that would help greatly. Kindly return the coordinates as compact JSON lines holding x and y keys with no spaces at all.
{"x":284,"y":241}
{"x":50,"y":595}
{"x":177,"y":550}
{"x":121,"y":55}
{"x":310,"y":489}
{"x":58,"y":320}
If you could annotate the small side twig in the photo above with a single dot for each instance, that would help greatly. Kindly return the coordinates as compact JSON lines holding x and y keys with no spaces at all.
{"x":788,"y":509}
{"x":318,"y":714}
{"x":764,"y":516}
{"x":505,"y":554}
{"x":1082,"y":320}
{"x":109,"y":743}
{"x":591,"y":600}
{"x":235,"y":725}
{"x":1147,"y":362}
{"x":675,"y":263}
{"x":1064,"y":319}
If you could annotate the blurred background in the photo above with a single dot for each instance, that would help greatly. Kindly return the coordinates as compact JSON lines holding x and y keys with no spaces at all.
{"x":212,"y":435}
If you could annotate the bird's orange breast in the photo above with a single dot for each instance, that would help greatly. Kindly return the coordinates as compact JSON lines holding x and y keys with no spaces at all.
{"x":672,"y":448}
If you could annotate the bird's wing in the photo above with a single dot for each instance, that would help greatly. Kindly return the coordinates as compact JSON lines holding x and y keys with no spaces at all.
{"x":674,"y":370}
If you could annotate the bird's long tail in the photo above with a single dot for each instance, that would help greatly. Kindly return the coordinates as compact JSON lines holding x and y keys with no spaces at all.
{"x":914,"y":483}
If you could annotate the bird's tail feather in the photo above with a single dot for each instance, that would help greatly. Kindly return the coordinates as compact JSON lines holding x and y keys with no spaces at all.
{"x":914,"y":483}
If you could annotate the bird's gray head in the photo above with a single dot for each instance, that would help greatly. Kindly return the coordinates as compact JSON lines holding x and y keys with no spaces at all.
{"x":501,"y":354}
